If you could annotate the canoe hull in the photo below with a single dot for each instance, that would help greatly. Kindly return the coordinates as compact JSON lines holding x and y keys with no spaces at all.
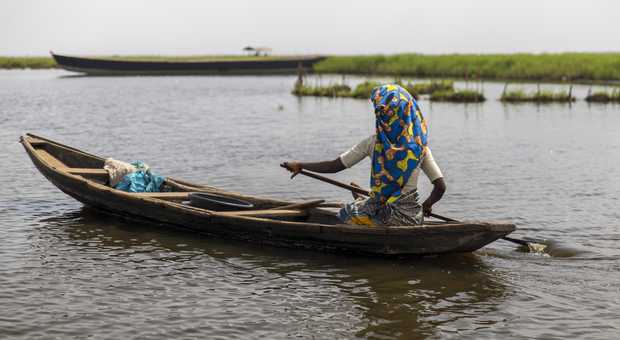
{"x":423,"y":240}
{"x":102,"y":67}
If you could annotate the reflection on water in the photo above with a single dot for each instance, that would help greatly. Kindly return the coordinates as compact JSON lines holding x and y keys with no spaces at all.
{"x":410,"y":298}
{"x":71,"y":272}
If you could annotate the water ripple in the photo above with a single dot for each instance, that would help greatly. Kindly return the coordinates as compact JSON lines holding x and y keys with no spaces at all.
{"x":71,"y":272}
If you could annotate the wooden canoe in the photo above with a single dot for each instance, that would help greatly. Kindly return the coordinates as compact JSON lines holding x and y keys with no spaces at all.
{"x":263,"y":65}
{"x":81,"y":176}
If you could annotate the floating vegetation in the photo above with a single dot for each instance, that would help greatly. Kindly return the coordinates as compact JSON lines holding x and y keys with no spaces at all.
{"x":604,"y":96}
{"x":338,"y":90}
{"x":460,"y":96}
{"x":522,"y":66}
{"x":551,"y":96}
{"x":429,"y":87}
{"x":540,"y":96}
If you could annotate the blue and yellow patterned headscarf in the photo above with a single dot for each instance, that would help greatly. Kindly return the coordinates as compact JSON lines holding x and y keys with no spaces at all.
{"x":400,"y":144}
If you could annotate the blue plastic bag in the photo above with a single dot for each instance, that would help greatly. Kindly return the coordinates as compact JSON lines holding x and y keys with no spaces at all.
{"x":142,"y":180}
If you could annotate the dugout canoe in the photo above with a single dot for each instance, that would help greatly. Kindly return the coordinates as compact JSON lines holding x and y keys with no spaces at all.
{"x":81,"y":176}
{"x":250,"y":66}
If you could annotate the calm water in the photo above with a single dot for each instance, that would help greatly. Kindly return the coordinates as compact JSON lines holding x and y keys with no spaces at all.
{"x":67,"y":271}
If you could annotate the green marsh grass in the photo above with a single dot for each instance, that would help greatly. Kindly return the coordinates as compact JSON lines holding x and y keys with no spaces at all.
{"x":460,"y":96}
{"x":539,"y":96}
{"x":337,"y":90}
{"x":521,"y":66}
{"x":27,"y":62}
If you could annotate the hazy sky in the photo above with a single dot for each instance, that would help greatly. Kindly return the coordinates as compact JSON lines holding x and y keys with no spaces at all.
{"x":29,"y":27}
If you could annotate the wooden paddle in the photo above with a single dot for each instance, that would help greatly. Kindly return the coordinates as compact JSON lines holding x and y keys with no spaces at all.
{"x":534,"y":246}
{"x":336,"y":183}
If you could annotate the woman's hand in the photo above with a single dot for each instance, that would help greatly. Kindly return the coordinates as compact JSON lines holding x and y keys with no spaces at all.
{"x":439,"y":187}
{"x":294,"y":167}
{"x":323,"y":167}
{"x":427,"y":208}
{"x":355,"y":194}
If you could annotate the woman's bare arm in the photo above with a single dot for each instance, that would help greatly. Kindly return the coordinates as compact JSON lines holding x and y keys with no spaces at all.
{"x":326,"y":167}
{"x":439,"y":188}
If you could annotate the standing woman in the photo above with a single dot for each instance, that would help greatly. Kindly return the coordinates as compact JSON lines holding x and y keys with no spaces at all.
{"x":398,"y":149}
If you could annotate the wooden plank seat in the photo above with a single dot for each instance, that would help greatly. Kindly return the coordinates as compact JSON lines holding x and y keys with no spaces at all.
{"x":94,"y":173}
{"x":87,"y":171}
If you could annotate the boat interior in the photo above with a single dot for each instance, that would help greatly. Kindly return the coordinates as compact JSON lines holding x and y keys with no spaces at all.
{"x":76,"y":162}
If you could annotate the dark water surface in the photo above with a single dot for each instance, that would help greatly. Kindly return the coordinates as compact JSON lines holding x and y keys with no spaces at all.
{"x":67,"y":271}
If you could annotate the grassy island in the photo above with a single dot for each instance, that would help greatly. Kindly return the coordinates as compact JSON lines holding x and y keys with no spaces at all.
{"x":338,"y":90}
{"x":458,"y":96}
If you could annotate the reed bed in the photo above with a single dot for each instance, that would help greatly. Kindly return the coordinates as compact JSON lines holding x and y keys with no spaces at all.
{"x":337,"y":90}
{"x":604,"y":96}
{"x":539,"y":96}
{"x":521,"y":66}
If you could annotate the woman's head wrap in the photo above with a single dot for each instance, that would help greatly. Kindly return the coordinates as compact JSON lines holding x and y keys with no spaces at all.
{"x":400,"y":143}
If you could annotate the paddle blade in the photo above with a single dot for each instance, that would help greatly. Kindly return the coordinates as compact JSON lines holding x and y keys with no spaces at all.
{"x":536,"y":247}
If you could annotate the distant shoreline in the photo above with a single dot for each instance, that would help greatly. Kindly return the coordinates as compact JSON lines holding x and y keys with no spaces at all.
{"x":11,"y":63}
{"x":554,"y":67}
